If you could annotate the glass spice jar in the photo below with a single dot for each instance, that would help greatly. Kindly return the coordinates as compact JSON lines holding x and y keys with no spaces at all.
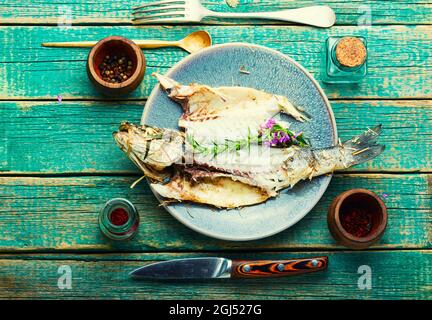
{"x":119,"y":219}
{"x":346,"y":60}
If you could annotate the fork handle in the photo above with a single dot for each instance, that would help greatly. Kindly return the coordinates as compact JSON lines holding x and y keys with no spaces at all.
{"x":318,"y":16}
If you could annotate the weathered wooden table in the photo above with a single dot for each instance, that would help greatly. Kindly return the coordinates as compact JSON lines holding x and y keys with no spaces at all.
{"x":59,"y":163}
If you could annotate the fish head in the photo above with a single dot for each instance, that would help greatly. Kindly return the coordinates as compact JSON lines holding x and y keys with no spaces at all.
{"x":152,"y":149}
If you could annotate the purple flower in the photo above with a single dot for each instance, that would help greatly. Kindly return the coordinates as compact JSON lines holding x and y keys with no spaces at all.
{"x":274,"y":141}
{"x":270,"y":123}
{"x":385,"y":195}
{"x":276,"y":135}
{"x":59,"y":98}
{"x":285,"y":138}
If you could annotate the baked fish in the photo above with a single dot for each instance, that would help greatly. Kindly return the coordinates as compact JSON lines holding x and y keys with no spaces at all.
{"x":242,"y":177}
{"x":225,"y":113}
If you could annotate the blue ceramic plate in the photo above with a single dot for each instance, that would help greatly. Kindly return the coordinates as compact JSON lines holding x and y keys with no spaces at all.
{"x":270,"y":71}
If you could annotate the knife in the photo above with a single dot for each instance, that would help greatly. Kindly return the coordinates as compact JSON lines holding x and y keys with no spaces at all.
{"x":218,"y":268}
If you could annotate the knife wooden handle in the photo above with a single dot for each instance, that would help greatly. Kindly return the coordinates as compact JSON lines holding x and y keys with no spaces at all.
{"x":276,"y":268}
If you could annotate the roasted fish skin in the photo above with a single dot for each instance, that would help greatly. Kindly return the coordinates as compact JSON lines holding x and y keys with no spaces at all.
{"x":282,"y":168}
{"x":152,"y":149}
{"x":164,"y":155}
{"x":218,"y":191}
{"x":225,"y":112}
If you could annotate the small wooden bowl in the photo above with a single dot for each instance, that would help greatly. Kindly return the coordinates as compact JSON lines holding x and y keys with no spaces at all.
{"x":116,"y":46}
{"x":357,"y":199}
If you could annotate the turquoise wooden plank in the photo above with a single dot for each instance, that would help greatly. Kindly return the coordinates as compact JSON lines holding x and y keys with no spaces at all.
{"x":52,"y":137}
{"x":75,"y":137}
{"x":106,"y":277}
{"x":3,"y":149}
{"x":118,"y":11}
{"x":30,"y":71}
{"x":51,"y":214}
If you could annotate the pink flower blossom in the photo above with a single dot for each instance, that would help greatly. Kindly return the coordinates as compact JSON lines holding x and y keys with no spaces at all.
{"x":285,"y":138}
{"x":270,"y":123}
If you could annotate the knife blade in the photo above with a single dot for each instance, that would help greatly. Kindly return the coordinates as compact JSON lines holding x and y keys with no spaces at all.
{"x":219,"y":268}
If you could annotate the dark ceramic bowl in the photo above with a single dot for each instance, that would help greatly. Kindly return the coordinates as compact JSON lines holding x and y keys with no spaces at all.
{"x":116,"y":46}
{"x":357,"y":199}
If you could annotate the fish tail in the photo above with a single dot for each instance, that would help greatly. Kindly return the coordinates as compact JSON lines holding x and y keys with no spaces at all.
{"x":363,"y":147}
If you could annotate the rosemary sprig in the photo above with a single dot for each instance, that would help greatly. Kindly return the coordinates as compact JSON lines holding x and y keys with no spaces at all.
{"x":229,"y":145}
{"x":271,"y":134}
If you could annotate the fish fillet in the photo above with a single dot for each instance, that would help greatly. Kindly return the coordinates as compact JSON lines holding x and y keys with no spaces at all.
{"x":213,"y":115}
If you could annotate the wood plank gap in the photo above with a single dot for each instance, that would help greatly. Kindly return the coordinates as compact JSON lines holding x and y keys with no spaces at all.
{"x":216,"y":24}
{"x":138,"y":174}
{"x":348,"y":99}
{"x":319,"y":250}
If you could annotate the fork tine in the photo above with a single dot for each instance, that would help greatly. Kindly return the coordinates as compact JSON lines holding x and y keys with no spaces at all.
{"x":157,"y":9}
{"x":167,"y":20}
{"x":166,"y":14}
{"x":159,"y":3}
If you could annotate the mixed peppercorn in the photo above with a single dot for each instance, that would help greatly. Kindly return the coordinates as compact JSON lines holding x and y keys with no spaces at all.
{"x":116,"y":68}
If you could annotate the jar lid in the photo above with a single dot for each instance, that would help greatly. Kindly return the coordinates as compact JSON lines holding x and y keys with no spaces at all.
{"x":351,"y":52}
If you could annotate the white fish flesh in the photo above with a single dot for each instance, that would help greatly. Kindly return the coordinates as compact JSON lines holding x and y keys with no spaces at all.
{"x":213,"y":115}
